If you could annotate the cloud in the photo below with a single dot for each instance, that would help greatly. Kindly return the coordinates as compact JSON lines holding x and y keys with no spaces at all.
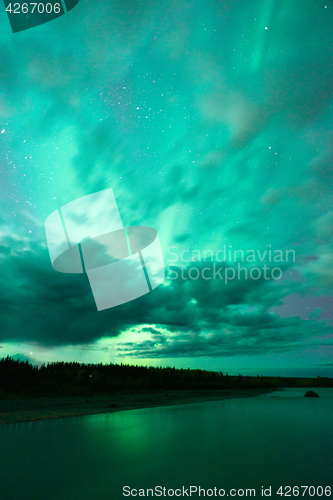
{"x":231,"y":340}
{"x":187,"y":317}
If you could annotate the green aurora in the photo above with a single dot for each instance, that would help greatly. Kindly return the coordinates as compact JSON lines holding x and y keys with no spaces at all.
{"x":212,"y":123}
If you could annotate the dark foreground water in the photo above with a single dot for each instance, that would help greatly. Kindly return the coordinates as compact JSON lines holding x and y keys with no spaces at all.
{"x":282,"y":439}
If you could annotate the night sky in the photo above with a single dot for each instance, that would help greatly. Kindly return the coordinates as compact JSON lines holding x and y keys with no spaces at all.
{"x":212,"y":123}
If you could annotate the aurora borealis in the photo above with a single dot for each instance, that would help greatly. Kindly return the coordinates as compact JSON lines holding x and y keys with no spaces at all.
{"x":212,"y":123}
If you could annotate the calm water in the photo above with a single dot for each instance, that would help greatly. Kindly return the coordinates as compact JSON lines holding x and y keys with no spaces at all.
{"x":272,"y":440}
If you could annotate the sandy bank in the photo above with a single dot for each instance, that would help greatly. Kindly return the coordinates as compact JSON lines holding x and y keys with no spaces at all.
{"x":27,"y":410}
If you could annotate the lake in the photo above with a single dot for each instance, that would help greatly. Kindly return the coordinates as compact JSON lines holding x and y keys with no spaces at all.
{"x":280,"y":439}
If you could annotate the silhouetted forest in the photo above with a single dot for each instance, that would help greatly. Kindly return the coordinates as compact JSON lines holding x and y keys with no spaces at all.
{"x":19,"y":378}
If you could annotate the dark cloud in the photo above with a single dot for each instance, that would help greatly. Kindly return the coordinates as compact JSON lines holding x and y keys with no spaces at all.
{"x":280,"y":336}
{"x":188,"y":317}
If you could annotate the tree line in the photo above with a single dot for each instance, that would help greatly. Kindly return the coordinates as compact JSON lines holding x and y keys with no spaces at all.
{"x":20,"y":378}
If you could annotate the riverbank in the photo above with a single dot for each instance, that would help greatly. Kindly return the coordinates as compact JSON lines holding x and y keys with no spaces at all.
{"x":27,"y":410}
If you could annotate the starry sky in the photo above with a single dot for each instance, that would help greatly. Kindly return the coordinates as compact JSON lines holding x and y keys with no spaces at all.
{"x":212,"y":123}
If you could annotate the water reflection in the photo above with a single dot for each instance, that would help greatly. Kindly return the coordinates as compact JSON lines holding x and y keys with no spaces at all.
{"x":238,"y":443}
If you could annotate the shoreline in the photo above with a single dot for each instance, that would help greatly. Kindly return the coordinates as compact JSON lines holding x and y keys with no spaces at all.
{"x":14,"y":411}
